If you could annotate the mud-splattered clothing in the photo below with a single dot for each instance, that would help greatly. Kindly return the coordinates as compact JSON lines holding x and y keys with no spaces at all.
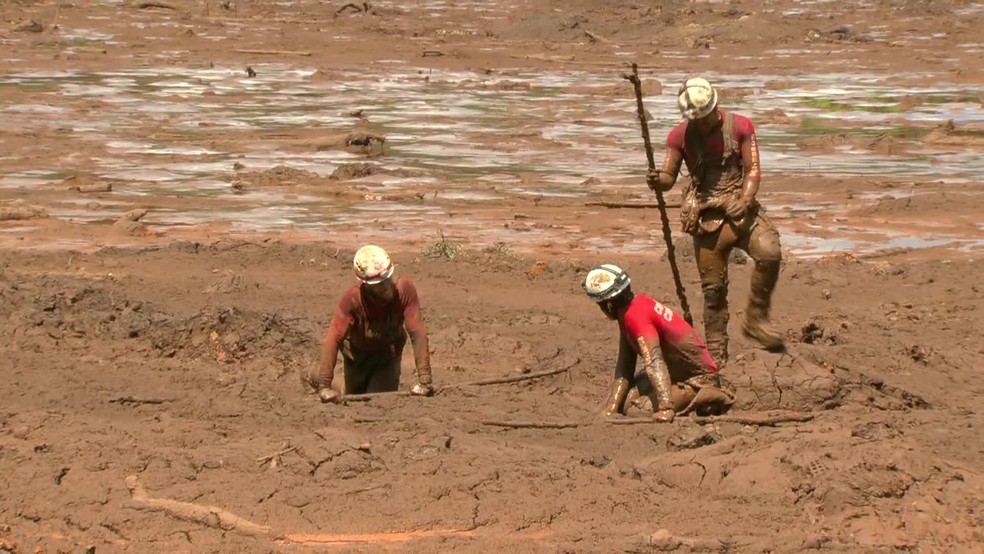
{"x":681,"y":347}
{"x":361,"y":330}
{"x":719,"y":163}
{"x":725,"y":175}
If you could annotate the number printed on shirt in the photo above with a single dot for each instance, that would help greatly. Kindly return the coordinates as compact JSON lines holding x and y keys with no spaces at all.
{"x":663,"y":311}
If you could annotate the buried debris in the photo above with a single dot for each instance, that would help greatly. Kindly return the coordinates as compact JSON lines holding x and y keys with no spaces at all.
{"x":215,"y":517}
{"x":210,"y":516}
{"x":19,"y":213}
{"x":274,"y":459}
{"x":764,"y":419}
{"x":513,"y":378}
{"x":532,"y":424}
{"x":128,"y":400}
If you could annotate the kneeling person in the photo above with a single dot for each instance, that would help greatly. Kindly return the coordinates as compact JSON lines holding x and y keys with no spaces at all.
{"x":679,"y":369}
{"x":370,"y":328}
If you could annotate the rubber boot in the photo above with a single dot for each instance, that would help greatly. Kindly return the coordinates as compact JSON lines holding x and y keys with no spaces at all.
{"x":756,"y":326}
{"x":716,"y":322}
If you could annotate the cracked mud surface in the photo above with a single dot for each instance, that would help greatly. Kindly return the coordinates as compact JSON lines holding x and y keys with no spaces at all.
{"x":167,"y":343}
{"x":125,"y":363}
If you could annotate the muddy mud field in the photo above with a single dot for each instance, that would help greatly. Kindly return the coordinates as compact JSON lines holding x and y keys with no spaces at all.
{"x":183,"y":185}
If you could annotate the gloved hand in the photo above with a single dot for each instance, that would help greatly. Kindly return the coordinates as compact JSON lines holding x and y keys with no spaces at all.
{"x":664,"y":416}
{"x":422,"y":390}
{"x":652,"y":179}
{"x":736,"y":210}
{"x":329,"y":395}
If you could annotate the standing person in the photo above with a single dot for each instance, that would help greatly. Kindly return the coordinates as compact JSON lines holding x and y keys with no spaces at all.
{"x":678,"y":368}
{"x":720,"y":211}
{"x":370,"y":328}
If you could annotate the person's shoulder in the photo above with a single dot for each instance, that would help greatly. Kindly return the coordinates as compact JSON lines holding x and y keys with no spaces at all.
{"x":406,"y":288}
{"x":641,"y":305}
{"x":743,"y":124}
{"x":677,"y":133}
{"x":350,"y":298}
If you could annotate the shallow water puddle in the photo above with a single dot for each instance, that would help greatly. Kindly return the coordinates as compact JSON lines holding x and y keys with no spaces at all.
{"x":173,"y":130}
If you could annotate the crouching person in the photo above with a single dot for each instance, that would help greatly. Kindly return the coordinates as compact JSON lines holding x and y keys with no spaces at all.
{"x":370,"y":328}
{"x":678,"y":374}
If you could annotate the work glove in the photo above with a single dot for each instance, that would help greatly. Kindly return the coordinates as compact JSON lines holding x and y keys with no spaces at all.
{"x":664,"y":416}
{"x":737,"y":209}
{"x":652,"y":179}
{"x":329,"y":395}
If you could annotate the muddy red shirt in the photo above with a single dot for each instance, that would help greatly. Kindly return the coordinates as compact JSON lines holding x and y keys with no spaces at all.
{"x":744,"y":135}
{"x":683,"y":350}
{"x":360,"y":328}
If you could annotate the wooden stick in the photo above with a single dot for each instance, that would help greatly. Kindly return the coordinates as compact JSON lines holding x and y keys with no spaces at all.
{"x":213,"y":516}
{"x":210,"y":516}
{"x":350,"y":5}
{"x":533,"y":424}
{"x":667,"y":233}
{"x":595,"y":37}
{"x":266,"y":459}
{"x":639,"y":205}
{"x":132,"y":400}
{"x":512,"y":378}
{"x":162,"y":5}
{"x":273,"y":52}
{"x":763,"y":419}
{"x":373,"y":395}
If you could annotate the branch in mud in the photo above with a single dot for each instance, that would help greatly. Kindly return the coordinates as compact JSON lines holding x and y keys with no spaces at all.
{"x":275,"y":455}
{"x":373,"y":395}
{"x":210,"y":516}
{"x":637,"y":205}
{"x":513,"y":378}
{"x":273,"y":52}
{"x":762,"y":419}
{"x":533,"y":424}
{"x":161,"y":5}
{"x":128,"y":400}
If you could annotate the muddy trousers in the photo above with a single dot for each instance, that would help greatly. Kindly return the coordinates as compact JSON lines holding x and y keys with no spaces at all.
{"x":760,"y":241}
{"x":372,"y":374}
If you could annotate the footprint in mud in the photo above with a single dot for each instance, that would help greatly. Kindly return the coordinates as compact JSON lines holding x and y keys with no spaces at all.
{"x":816,"y":468}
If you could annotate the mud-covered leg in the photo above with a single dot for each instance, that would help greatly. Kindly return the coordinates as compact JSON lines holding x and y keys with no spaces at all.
{"x":712,"y":264}
{"x":357,"y":374}
{"x":385,"y":376}
{"x":763,"y":247}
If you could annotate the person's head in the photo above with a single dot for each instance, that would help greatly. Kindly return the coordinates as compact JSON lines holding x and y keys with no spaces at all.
{"x":698,"y":102}
{"x":609,"y":287}
{"x":374,"y":269}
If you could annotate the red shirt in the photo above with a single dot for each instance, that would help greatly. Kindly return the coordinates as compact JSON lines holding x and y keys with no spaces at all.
{"x":658,"y":324}
{"x":744,"y":130}
{"x":359,"y":328}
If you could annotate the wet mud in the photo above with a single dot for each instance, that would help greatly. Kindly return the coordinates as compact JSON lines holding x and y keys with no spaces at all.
{"x":183,"y":185}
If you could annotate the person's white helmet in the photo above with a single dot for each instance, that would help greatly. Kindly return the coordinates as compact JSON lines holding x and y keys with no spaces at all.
{"x":605,"y":282}
{"x":696,"y":98}
{"x":372,"y":264}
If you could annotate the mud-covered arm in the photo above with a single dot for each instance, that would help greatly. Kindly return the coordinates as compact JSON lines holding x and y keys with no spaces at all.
{"x":414,"y":322}
{"x":751,"y":168}
{"x":341,"y":322}
{"x":665,"y":177}
{"x":655,"y":368}
{"x":624,"y":375}
{"x":627,"y":357}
